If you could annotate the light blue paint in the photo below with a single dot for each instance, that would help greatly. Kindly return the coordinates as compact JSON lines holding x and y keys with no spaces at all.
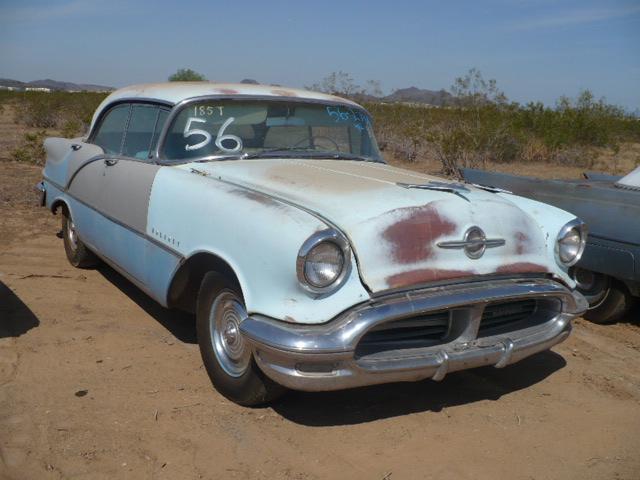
{"x":150,"y":265}
{"x":259,"y":240}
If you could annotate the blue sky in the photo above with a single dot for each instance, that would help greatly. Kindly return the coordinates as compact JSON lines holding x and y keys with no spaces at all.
{"x":536,"y":49}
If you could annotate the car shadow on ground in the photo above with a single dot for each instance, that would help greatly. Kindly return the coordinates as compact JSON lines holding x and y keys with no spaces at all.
{"x":15,"y":317}
{"x":350,"y":407}
{"x":181,"y":325}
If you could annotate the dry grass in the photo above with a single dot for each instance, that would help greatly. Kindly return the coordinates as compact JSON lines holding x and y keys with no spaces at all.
{"x":532,"y":163}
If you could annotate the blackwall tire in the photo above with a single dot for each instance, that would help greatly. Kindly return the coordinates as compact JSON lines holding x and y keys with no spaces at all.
{"x":613,"y":307}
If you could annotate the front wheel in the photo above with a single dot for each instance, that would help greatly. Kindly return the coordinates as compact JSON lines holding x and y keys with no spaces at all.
{"x":225,"y":353}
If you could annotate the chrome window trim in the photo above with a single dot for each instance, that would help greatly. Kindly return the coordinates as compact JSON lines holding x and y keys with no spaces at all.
{"x":119,"y":101}
{"x":582,"y":228}
{"x":329,"y":235}
{"x":178,"y":107}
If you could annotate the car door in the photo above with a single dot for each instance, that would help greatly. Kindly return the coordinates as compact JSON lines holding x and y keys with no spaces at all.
{"x":86,"y":179}
{"x":126,"y":188}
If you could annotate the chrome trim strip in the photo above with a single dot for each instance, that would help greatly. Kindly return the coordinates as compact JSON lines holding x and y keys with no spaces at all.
{"x":117,"y":222}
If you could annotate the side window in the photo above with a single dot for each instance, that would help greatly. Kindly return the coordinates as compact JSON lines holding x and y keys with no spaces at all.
{"x":111,"y":130}
{"x":140,"y":131}
{"x":162,"y":118}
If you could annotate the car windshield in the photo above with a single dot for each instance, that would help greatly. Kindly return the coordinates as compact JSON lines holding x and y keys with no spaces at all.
{"x":227,"y":128}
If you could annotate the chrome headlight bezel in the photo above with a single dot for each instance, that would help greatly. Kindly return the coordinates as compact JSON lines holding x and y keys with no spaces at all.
{"x":574,"y":225}
{"x":318,"y":238}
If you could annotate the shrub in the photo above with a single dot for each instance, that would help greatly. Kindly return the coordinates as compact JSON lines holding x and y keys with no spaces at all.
{"x":32,"y":149}
{"x":57,"y":109}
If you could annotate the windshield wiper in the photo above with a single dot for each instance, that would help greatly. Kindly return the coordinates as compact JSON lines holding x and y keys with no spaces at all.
{"x":275,"y":152}
{"x":310,"y":154}
{"x":349,"y":156}
{"x":221,"y":158}
{"x":271,"y":152}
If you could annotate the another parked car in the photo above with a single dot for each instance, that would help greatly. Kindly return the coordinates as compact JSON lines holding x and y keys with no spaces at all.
{"x":608,"y":274}
{"x":309,"y":262}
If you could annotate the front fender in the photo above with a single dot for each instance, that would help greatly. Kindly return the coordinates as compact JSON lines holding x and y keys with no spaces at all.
{"x":550,"y":220}
{"x":255,"y":234}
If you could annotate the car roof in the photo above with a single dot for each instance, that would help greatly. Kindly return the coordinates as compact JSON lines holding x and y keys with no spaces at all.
{"x":175,"y":92}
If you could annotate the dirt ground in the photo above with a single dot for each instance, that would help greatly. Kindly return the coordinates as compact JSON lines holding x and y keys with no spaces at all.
{"x":98,"y":382}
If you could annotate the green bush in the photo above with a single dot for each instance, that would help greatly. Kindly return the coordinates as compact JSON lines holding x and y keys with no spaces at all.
{"x":32,"y":149}
{"x":480,"y":127}
{"x":472,"y":135}
{"x":57,"y":109}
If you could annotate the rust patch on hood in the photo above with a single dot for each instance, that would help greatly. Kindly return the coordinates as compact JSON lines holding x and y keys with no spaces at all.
{"x":228,"y":91}
{"x":523,"y":243}
{"x":522,"y":267}
{"x":425,"y":275}
{"x":413,"y":237}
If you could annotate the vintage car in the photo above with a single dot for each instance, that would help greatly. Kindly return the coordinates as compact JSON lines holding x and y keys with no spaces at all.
{"x":608,"y":274}
{"x":309,"y":262}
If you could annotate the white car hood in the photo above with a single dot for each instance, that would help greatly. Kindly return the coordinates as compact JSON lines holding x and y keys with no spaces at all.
{"x":395,"y":230}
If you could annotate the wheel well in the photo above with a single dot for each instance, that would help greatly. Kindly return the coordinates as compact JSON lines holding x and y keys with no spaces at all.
{"x":57,"y":204}
{"x":183,"y":293}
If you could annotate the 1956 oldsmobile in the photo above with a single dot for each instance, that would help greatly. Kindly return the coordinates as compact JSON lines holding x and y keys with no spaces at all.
{"x":309,"y":262}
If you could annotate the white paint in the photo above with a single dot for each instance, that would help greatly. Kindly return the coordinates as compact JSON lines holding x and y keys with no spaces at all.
{"x":226,"y":138}
{"x":188,"y":132}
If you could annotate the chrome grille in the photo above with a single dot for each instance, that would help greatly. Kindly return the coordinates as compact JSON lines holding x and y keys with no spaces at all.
{"x":506,"y":317}
{"x":414,"y":332}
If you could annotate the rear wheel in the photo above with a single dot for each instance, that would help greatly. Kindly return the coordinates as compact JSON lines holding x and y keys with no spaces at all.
{"x":77,"y":252}
{"x":609,"y":300}
{"x":225,"y":353}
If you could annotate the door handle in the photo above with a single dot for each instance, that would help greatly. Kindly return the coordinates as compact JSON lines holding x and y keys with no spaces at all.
{"x":110,"y":162}
{"x":75,"y":147}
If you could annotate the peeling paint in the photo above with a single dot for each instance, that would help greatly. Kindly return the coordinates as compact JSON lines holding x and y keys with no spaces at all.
{"x":522,"y":267}
{"x":523,"y":243}
{"x":394,"y":232}
{"x":425,"y":275}
{"x":413,"y":237}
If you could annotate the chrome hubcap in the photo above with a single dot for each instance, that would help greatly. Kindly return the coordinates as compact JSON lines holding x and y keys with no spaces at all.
{"x":231,"y":350}
{"x":72,"y":234}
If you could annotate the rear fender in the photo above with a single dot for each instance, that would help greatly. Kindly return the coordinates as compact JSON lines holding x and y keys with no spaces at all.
{"x":65,"y":156}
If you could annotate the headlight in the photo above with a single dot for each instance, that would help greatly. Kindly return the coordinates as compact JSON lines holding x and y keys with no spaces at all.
{"x":323,"y":262}
{"x":571,"y":242}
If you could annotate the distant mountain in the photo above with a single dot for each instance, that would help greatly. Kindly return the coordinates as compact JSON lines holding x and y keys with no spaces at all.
{"x":420,"y":95}
{"x":54,"y":85}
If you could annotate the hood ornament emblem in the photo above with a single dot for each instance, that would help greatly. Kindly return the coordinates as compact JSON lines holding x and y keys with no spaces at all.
{"x":474,"y":243}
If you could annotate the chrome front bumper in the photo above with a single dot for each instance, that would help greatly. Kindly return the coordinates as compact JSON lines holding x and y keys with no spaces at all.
{"x":325,"y":357}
